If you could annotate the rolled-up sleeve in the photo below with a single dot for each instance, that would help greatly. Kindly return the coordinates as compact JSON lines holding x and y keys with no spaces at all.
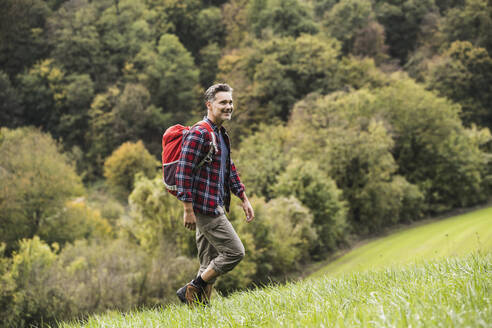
{"x":192,"y":152}
{"x":237,"y":187}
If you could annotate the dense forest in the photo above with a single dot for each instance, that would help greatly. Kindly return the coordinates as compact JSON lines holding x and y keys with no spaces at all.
{"x":351,"y":116}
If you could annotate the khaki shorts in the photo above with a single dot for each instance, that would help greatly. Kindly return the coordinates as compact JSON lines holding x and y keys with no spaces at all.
{"x":219,"y":246}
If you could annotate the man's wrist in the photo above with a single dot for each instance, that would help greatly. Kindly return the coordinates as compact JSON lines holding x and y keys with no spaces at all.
{"x":188,"y":206}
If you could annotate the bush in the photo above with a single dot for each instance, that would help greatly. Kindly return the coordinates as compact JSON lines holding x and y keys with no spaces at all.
{"x":157,"y":216}
{"x":126,"y":161}
{"x":317,"y":191}
{"x":36,"y":179}
{"x":32,"y":283}
{"x":75,"y":221}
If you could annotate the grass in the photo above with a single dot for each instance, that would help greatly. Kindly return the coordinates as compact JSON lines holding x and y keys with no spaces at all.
{"x":457,"y":235}
{"x":449,"y":292}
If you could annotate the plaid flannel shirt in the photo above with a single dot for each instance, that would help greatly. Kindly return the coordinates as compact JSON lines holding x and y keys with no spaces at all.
{"x":201,"y":185}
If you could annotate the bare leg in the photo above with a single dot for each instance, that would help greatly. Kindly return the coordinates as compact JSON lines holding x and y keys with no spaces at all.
{"x":209,"y":274}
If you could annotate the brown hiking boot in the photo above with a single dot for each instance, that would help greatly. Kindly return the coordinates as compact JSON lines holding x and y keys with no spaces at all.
{"x":190,"y":294}
{"x":207,"y":293}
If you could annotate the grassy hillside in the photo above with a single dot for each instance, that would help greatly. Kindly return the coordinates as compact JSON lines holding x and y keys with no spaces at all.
{"x":451,"y":292}
{"x":446,"y":282}
{"x":457,"y":235}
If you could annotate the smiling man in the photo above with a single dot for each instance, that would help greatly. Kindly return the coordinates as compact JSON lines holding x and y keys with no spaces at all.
{"x":205,"y":192}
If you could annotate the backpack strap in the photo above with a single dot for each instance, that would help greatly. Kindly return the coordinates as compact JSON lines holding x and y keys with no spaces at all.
{"x":213,"y":148}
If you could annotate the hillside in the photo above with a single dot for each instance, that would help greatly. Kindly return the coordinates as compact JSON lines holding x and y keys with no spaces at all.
{"x":453,"y":292}
{"x":457,"y":235}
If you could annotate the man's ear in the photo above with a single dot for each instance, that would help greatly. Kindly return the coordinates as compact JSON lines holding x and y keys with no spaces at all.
{"x":208,"y":104}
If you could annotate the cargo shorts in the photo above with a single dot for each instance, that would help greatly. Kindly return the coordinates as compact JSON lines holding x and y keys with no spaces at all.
{"x":218,"y":244}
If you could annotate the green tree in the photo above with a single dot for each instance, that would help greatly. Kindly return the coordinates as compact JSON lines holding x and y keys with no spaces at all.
{"x":76,"y":221}
{"x":157,"y":217}
{"x":22,"y":34}
{"x":401,"y":20}
{"x":125,"y":162}
{"x":170,"y":75}
{"x":346,"y":18}
{"x":471,"y":22}
{"x":282,"y":17}
{"x":464,"y":75}
{"x":10,"y":106}
{"x":354,"y":147}
{"x":430,"y":144}
{"x":36,"y":182}
{"x":262,"y":158}
{"x":318,"y":192}
{"x":56,"y":102}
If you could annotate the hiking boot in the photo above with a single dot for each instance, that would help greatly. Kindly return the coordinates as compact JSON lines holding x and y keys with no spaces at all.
{"x":207,"y":293}
{"x":190,"y":294}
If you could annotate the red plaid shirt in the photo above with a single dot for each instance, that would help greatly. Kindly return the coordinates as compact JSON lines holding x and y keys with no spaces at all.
{"x":202,"y":187}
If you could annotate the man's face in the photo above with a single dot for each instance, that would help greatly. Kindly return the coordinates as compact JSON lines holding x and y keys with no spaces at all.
{"x":221,"y":108}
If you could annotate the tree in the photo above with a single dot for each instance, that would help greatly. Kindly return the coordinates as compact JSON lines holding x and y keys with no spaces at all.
{"x":464,"y":75}
{"x":22,"y":34}
{"x":36,"y":182}
{"x":124,"y":163}
{"x":157,"y":217}
{"x":261,"y":159}
{"x":282,"y":17}
{"x":170,"y":75}
{"x":345,"y":19}
{"x":56,"y":102}
{"x":318,"y":192}
{"x":430,"y":144}
{"x":401,"y":20}
{"x":353,"y":146}
{"x":10,"y":106}
{"x":471,"y":22}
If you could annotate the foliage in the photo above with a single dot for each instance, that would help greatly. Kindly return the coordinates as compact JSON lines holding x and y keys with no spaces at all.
{"x":170,"y":75}
{"x":470,"y":22}
{"x":318,"y":192}
{"x":401,"y":20}
{"x":36,"y":182}
{"x":281,"y":17}
{"x":262,"y":159}
{"x":432,"y":148}
{"x":10,"y":106}
{"x":75,"y":221}
{"x":35,"y":296}
{"x":157,"y":217}
{"x":125,"y":162}
{"x":346,"y":18}
{"x":464,"y":75}
{"x":22,"y":34}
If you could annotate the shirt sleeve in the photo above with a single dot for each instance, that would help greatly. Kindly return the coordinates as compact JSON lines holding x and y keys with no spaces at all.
{"x":237,"y":187}
{"x":192,"y":152}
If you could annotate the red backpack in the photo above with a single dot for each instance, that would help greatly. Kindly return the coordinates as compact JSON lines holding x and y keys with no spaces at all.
{"x":172,"y":142}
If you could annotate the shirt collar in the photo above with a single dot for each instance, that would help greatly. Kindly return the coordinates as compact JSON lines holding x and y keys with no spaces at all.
{"x":212,"y":124}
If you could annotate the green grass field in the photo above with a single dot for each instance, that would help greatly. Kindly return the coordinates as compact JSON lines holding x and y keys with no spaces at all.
{"x":452,"y":292}
{"x":457,"y":235}
{"x":446,"y":282}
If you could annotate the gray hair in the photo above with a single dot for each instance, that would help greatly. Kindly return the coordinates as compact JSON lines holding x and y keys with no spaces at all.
{"x":209,"y":95}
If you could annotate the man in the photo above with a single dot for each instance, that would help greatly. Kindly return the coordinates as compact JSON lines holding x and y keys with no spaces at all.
{"x":205,"y":193}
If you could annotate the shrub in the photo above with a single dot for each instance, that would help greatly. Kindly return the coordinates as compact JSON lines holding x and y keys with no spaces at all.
{"x":317,"y":191}
{"x":36,"y":182}
{"x":126,"y":161}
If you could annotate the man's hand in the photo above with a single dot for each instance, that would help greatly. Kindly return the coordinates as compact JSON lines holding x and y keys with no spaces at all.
{"x":189,"y":217}
{"x":248,"y":209}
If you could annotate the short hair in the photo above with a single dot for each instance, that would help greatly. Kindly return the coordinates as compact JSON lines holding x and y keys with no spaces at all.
{"x":209,"y":95}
